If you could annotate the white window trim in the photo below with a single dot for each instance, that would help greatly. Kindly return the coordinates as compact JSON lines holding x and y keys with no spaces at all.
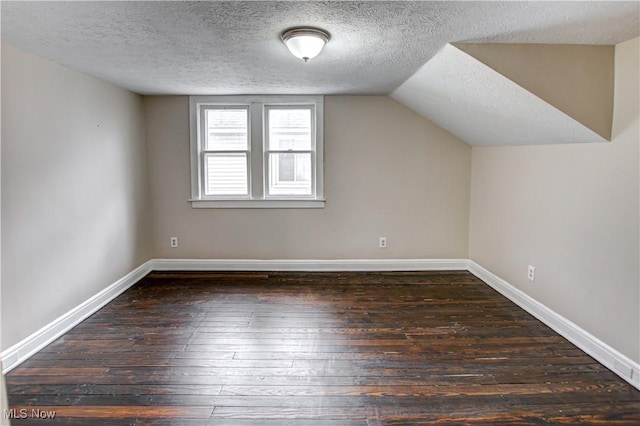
{"x":257,"y":198}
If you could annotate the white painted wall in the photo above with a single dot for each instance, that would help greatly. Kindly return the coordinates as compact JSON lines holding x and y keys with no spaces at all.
{"x":75,"y":214}
{"x":4,"y":403}
{"x":388,"y":172}
{"x":572,"y":211}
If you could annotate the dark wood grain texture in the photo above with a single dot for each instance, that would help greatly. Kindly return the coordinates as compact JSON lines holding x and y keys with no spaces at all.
{"x":402,"y":348}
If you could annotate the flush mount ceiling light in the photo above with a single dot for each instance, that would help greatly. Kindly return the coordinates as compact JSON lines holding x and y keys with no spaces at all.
{"x":305,"y":43}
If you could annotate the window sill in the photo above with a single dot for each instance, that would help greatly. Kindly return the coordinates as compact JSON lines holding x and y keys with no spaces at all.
{"x":257,"y":204}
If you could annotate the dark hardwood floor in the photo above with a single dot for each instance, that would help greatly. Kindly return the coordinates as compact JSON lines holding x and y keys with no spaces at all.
{"x":316,"y":349}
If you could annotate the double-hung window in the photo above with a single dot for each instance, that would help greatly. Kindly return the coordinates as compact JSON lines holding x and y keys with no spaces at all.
{"x":225,"y":151}
{"x":256,"y":151}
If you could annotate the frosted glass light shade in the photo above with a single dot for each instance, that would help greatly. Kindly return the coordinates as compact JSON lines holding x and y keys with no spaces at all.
{"x":305,"y":43}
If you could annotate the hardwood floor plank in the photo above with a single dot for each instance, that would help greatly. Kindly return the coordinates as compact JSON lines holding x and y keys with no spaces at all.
{"x":119,"y":389}
{"x":330,"y":349}
{"x":118,"y":411}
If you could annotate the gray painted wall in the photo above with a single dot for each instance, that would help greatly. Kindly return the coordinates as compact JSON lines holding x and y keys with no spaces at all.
{"x":571,"y":211}
{"x":75,"y":214}
{"x":388,"y":172}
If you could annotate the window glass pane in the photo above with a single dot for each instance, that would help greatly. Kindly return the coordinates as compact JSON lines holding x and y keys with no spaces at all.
{"x":227,"y":129}
{"x":286,"y":167}
{"x":289,"y":129}
{"x":226,"y":174}
{"x":290,"y":174}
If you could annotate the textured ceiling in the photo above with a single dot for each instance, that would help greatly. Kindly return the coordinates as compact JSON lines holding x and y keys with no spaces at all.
{"x":234,"y":47}
{"x":482,"y":107}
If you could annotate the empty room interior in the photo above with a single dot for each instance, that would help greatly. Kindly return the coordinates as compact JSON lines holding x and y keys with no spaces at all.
{"x":320,"y":213}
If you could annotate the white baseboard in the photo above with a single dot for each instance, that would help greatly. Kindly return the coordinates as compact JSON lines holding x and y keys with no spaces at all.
{"x":615,"y":361}
{"x":22,"y":350}
{"x":626,"y":368}
{"x":311,"y":265}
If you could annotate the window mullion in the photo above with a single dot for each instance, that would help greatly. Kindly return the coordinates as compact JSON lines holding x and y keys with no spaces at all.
{"x":202,"y":146}
{"x":256,"y":151}
{"x":318,"y":148}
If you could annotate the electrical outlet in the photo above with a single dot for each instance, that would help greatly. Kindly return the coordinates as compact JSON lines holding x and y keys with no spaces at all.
{"x":383,"y":242}
{"x":531,"y":273}
{"x":174,"y":242}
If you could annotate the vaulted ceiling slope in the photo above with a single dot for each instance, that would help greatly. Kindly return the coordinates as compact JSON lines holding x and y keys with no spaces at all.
{"x":516,"y":106}
{"x":234,"y":47}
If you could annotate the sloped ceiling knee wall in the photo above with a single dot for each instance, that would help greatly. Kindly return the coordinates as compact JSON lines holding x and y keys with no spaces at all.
{"x":506,"y":94}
